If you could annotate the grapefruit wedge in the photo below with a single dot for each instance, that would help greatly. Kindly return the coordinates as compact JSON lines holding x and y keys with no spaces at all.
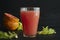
{"x":10,"y":22}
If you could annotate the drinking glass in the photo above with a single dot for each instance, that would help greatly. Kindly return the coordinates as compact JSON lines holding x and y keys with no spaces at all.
{"x":30,"y":20}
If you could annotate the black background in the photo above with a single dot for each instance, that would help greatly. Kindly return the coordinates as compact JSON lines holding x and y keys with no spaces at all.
{"x":50,"y":11}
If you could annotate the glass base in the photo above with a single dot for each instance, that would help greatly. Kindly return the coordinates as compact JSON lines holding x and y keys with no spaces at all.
{"x":29,"y":35}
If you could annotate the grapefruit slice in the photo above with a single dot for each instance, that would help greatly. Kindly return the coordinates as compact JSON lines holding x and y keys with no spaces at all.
{"x":11,"y":22}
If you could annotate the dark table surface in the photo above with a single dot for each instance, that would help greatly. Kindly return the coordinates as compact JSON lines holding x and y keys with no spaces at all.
{"x":42,"y":37}
{"x":38,"y":37}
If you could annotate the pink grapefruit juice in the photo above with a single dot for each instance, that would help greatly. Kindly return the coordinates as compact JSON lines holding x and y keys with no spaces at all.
{"x":30,"y":22}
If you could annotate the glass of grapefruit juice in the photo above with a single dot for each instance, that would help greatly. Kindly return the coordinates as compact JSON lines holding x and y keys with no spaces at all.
{"x":30,"y":20}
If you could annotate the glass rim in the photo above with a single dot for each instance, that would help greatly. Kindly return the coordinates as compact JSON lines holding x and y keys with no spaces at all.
{"x":33,"y":8}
